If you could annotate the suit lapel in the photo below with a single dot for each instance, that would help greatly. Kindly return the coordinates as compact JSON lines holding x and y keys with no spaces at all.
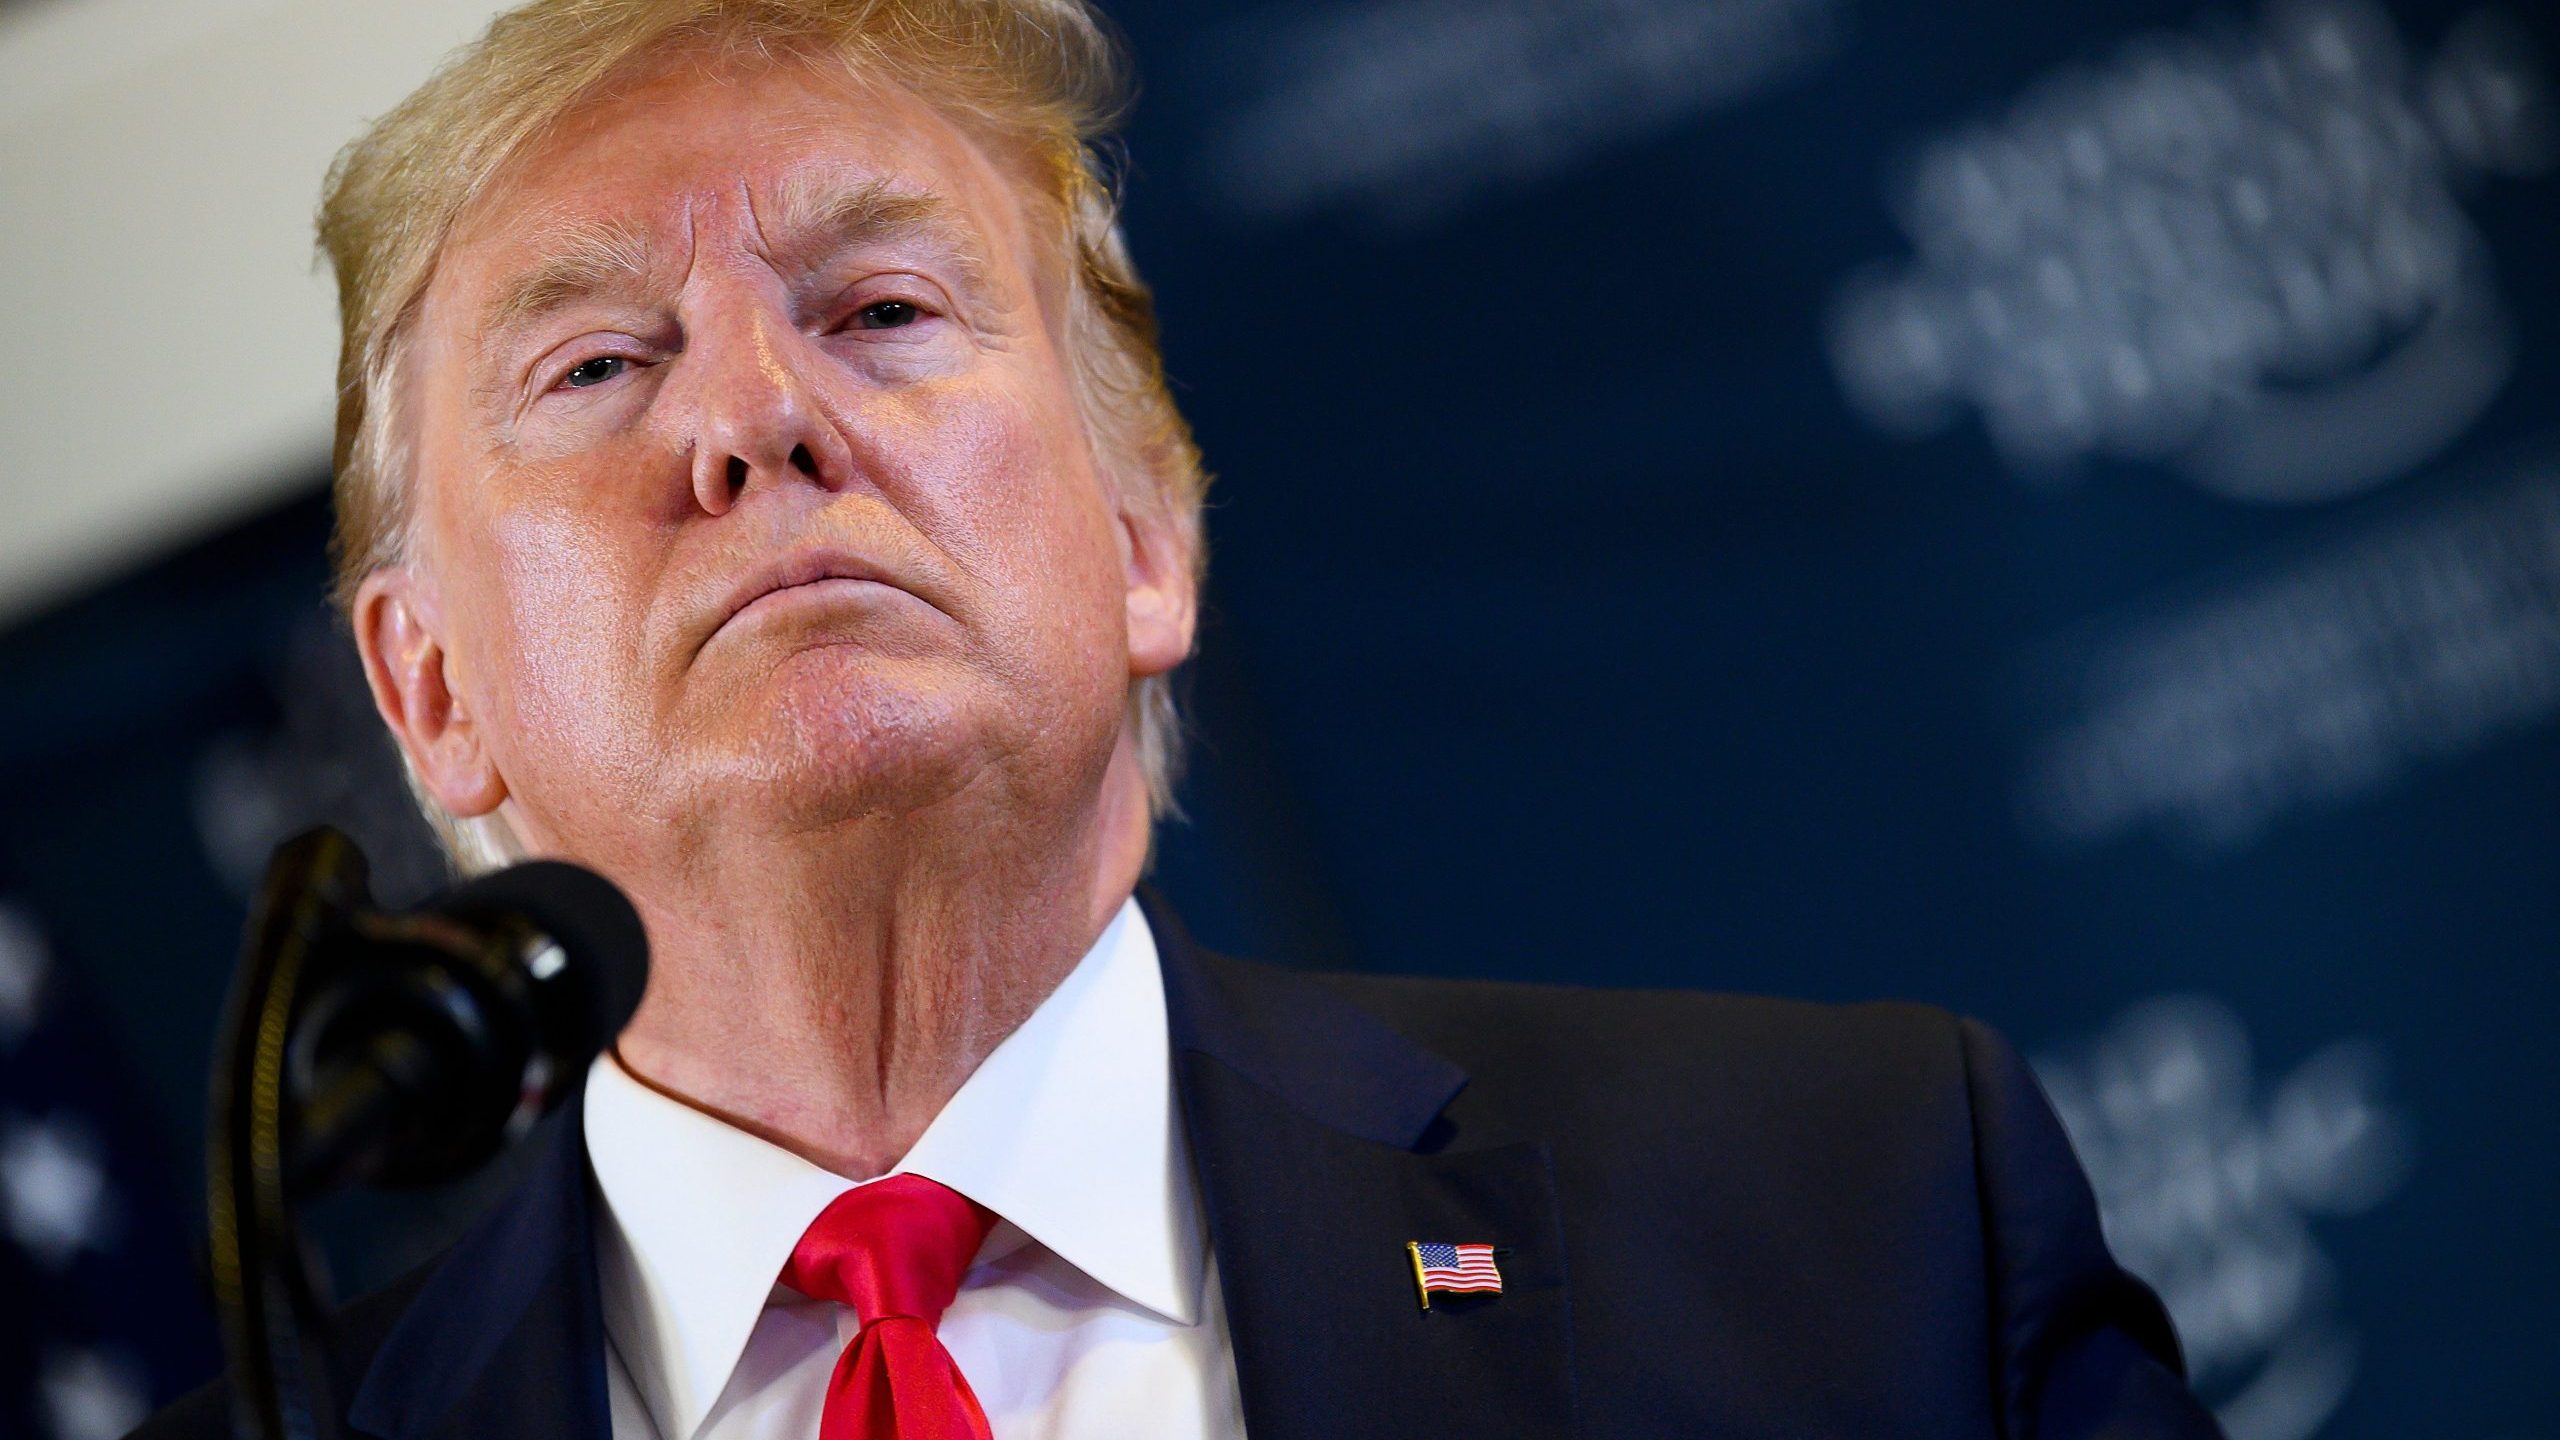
{"x":1321,"y":1149}
{"x":506,"y":1341}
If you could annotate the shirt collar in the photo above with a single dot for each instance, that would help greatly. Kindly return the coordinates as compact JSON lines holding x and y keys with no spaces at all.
{"x":1068,"y":1130}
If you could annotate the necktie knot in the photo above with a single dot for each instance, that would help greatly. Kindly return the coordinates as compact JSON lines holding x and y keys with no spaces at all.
{"x":894,"y":1247}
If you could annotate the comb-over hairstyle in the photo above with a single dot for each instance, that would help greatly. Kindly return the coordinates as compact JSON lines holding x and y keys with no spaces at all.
{"x":1043,"y":82}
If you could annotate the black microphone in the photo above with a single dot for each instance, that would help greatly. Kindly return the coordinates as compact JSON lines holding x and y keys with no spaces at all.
{"x":364,"y":1046}
{"x":425,"y":1041}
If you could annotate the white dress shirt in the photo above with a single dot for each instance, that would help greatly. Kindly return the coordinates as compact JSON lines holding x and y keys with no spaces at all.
{"x":1091,"y":1313}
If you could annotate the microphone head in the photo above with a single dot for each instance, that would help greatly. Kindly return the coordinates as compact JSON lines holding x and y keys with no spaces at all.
{"x":604,"y":961}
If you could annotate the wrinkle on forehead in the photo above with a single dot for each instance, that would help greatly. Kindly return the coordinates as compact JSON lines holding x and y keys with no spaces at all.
{"x":842,"y":161}
{"x":817,"y":212}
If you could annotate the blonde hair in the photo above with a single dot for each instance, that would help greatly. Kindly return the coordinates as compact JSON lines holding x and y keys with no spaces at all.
{"x":1043,"y":79}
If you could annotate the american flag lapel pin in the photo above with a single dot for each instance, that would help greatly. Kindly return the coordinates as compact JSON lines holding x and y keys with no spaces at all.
{"x":1452,"y":1269}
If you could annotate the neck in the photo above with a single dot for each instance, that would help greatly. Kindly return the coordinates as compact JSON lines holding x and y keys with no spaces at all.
{"x":830,"y":994}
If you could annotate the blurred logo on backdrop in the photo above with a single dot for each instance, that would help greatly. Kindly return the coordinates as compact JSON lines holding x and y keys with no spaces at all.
{"x":2209,"y":1185}
{"x":2238,"y":250}
{"x":2411,"y":641}
{"x":1401,"y":111}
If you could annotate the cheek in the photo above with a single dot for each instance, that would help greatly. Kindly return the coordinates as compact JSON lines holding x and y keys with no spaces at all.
{"x":1015,"y":499}
{"x":560,"y":605}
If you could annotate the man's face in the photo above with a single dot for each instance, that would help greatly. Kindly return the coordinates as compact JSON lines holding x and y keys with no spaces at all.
{"x":750,"y":488}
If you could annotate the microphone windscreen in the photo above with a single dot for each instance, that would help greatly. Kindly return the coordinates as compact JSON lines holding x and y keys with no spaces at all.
{"x":605,"y":948}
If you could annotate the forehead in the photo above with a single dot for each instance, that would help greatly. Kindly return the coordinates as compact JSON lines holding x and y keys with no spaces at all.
{"x":689,"y":143}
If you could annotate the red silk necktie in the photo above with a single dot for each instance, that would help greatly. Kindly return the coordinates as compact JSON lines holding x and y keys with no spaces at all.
{"x":894,"y":1250}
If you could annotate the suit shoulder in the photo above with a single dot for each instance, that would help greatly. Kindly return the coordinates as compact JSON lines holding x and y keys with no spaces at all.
{"x":1674,"y":1073}
{"x":355,"y":1333}
{"x":1580,"y":1028}
{"x":202,"y":1414}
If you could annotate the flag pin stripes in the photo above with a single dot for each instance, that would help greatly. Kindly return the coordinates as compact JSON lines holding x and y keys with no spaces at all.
{"x":1452,"y":1269}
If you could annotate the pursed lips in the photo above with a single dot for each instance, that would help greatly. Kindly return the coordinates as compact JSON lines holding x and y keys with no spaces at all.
{"x":808,"y":573}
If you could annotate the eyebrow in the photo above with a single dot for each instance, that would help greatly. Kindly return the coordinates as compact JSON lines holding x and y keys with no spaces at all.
{"x":813,"y":217}
{"x":585,"y":259}
{"x":818,"y":215}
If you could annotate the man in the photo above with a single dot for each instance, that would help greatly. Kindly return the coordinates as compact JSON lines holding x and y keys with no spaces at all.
{"x":757,"y":483}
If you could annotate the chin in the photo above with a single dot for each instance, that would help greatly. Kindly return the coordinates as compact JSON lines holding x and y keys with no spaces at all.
{"x":845,"y":735}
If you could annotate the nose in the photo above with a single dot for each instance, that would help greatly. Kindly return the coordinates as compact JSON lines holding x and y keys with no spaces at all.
{"x":759,"y":420}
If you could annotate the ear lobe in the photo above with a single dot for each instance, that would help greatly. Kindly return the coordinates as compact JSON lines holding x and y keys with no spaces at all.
{"x":1163,"y":598}
{"x":410,"y":673}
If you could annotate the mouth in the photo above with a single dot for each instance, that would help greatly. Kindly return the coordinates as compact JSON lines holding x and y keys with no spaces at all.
{"x":812,"y":577}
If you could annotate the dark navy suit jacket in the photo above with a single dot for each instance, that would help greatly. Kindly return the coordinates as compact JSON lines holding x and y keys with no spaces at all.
{"x":1718,"y":1217}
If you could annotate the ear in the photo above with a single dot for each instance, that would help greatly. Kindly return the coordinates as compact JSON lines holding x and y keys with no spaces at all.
{"x":1163,"y":598}
{"x":398,"y":631}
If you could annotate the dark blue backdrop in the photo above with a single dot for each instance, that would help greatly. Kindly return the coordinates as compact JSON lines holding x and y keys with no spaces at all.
{"x":2049,"y":510}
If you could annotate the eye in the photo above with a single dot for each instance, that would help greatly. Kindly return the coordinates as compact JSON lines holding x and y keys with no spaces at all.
{"x":886,"y":315}
{"x":595,"y":371}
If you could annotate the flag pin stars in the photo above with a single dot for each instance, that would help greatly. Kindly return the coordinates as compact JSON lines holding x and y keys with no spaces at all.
{"x":1452,"y":1269}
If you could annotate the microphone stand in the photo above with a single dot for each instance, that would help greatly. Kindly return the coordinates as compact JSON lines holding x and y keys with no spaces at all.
{"x":266,"y":1280}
